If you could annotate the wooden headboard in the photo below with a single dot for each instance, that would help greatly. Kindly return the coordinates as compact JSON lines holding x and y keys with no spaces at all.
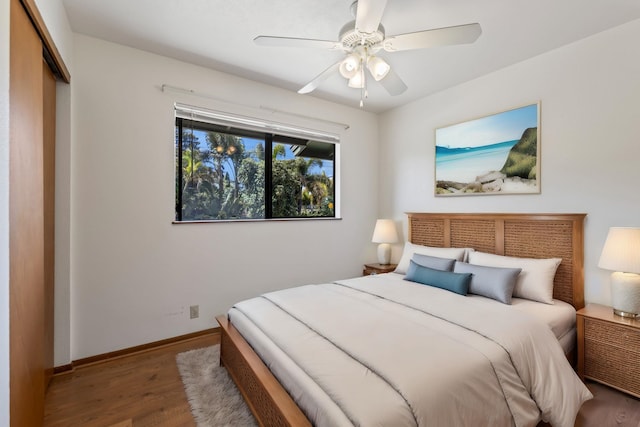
{"x":520,"y":235}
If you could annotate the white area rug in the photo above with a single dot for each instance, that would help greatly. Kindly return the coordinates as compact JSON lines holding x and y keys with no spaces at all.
{"x":215,"y":400}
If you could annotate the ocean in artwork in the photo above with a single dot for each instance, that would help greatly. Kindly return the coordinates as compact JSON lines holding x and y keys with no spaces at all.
{"x":464,"y":164}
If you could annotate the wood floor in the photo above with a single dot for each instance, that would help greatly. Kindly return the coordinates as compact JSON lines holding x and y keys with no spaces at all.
{"x":609,"y":408}
{"x":146,"y":390}
{"x":139,"y":390}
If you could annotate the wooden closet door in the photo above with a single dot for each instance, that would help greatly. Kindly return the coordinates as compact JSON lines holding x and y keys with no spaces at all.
{"x":26,"y":222}
{"x":49,"y":180}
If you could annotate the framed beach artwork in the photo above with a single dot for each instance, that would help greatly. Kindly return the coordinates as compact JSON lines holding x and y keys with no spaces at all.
{"x":495,"y":154}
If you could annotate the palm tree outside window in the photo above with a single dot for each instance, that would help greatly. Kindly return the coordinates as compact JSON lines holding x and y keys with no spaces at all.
{"x":226,"y":173}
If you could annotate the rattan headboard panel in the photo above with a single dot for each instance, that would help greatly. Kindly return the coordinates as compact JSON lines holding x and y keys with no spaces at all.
{"x":428,"y":233}
{"x":477,"y":234}
{"x":521,"y":235}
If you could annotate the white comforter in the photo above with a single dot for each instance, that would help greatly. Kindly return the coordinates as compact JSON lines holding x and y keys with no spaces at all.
{"x":381,"y":351}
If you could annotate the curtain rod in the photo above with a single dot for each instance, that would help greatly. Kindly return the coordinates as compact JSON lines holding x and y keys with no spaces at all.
{"x":165,"y":87}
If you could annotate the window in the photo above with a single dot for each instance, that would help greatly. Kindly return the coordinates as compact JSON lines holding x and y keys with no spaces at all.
{"x":242,"y":172}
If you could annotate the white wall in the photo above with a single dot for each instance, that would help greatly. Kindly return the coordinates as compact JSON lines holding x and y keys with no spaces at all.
{"x":55,"y":17}
{"x":4,"y":212}
{"x":134,"y":273}
{"x":589,"y":95}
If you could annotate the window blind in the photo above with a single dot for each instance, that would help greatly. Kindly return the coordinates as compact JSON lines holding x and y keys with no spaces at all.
{"x":251,"y":123}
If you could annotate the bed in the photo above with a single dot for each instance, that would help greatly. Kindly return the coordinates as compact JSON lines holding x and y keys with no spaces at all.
{"x":538,"y":236}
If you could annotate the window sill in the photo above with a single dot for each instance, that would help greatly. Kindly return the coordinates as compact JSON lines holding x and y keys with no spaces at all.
{"x":216,"y":221}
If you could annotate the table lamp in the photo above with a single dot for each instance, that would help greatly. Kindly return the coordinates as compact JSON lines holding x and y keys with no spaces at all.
{"x":384,"y":234}
{"x":621,"y":253}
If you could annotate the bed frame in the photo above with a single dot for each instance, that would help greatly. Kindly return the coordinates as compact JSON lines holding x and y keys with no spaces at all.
{"x":523,"y":235}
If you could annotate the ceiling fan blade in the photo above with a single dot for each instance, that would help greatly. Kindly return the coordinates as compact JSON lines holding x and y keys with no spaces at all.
{"x":459,"y":34}
{"x":393,"y":83}
{"x":317,"y":81}
{"x":296,"y":42}
{"x":369,"y":14}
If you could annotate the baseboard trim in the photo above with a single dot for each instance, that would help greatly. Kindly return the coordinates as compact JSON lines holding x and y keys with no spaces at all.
{"x":105,"y":357}
{"x":62,"y":369}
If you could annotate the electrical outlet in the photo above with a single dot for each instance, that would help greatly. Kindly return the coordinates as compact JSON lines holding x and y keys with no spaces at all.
{"x":194,"y":311}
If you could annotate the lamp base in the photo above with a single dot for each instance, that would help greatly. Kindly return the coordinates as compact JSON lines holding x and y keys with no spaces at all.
{"x":624,"y":314}
{"x":625,"y":294}
{"x":384,"y":253}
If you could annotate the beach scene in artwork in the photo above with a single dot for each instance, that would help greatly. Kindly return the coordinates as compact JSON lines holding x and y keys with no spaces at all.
{"x":493,"y":154}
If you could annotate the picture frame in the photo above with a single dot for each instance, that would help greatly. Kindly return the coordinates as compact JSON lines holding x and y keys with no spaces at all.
{"x":494,"y":154}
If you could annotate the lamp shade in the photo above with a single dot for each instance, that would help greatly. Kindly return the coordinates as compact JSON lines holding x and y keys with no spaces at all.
{"x":357,"y":81}
{"x":621,"y":251}
{"x":385,"y":232}
{"x":378,"y":67}
{"x":350,"y":66}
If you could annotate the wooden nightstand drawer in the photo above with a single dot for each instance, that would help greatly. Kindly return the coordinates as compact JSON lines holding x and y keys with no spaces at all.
{"x":624,"y":337}
{"x":612,"y":365}
{"x":609,"y":348}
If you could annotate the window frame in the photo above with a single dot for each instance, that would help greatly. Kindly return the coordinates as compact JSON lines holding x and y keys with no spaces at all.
{"x":270,"y":139}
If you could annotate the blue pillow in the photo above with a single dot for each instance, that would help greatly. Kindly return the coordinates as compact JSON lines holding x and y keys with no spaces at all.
{"x":442,"y":264}
{"x":491,"y":282}
{"x":454,"y":282}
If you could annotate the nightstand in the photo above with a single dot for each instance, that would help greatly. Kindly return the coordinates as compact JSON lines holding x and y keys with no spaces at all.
{"x":376,"y":268}
{"x":609,"y":348}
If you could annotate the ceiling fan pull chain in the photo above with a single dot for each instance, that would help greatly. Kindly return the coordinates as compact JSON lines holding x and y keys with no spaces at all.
{"x":363,"y":89}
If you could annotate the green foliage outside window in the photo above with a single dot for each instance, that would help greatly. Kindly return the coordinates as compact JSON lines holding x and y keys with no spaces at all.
{"x":221,"y":176}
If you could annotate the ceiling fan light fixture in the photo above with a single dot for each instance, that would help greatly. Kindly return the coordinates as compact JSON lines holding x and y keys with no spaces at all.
{"x":356,"y":81}
{"x":378,"y":67}
{"x":361,"y":39}
{"x":350,"y":66}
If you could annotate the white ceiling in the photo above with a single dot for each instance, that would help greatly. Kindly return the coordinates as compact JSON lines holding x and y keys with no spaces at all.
{"x":219,"y":34}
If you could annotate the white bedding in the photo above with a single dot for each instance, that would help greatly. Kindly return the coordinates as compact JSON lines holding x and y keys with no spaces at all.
{"x":559,"y":316}
{"x":377,"y":350}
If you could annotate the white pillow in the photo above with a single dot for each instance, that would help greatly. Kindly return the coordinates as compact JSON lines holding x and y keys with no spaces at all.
{"x":409,"y":249}
{"x":535,"y":281}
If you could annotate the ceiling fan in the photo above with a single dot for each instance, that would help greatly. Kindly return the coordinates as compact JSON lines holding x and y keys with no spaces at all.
{"x":363,"y":38}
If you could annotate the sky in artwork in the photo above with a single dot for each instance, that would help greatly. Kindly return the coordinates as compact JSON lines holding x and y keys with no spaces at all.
{"x":494,"y":129}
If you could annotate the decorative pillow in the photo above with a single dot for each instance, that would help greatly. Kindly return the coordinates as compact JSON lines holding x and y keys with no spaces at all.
{"x":467,"y":251}
{"x":442,"y":264}
{"x":409,"y":249}
{"x":491,"y":282}
{"x":535,"y":281}
{"x":454,"y":282}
